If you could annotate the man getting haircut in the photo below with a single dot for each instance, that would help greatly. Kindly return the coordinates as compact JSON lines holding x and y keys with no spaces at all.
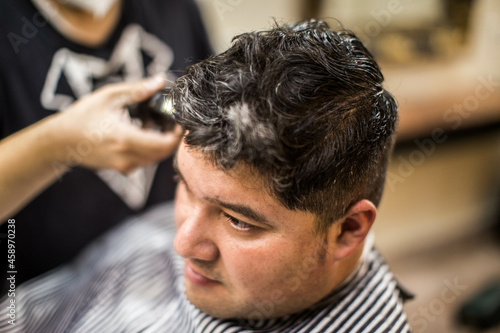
{"x":286,"y":140}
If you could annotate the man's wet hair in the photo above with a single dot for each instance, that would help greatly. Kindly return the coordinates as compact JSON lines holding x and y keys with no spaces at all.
{"x":302,"y":105}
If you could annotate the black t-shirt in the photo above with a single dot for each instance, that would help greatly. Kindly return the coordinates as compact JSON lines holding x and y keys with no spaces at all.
{"x":41,"y":72}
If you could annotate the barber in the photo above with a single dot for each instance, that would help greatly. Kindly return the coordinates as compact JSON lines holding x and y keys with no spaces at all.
{"x":74,"y":164}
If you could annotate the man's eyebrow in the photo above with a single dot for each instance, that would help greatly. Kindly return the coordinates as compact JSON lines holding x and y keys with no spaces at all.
{"x":240,"y":209}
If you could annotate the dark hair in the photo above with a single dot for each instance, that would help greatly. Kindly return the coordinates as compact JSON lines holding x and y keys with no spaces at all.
{"x":303,"y":106}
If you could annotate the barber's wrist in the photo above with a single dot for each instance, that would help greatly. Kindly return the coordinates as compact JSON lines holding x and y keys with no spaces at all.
{"x":54,"y":141}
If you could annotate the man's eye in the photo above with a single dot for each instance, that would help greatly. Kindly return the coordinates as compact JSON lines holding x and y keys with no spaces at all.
{"x":237,"y":224}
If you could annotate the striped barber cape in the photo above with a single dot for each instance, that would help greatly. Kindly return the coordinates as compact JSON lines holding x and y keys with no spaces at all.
{"x":131,"y":280}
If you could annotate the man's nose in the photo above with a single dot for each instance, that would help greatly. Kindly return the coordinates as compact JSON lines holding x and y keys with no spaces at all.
{"x":193,"y":239}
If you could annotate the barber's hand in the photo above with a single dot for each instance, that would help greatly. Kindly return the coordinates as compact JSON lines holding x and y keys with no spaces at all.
{"x":97,"y":132}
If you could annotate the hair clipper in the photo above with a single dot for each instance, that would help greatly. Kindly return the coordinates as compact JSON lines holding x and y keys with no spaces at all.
{"x":155,"y":112}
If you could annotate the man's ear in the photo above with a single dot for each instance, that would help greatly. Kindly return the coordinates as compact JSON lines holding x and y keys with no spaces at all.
{"x":354,"y":227}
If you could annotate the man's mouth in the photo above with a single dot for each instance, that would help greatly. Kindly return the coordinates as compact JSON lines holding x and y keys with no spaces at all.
{"x":196,"y":277}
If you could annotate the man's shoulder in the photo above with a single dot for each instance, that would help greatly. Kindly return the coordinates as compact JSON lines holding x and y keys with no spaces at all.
{"x":147,"y":231}
{"x":372,"y":301}
{"x":138,"y":239}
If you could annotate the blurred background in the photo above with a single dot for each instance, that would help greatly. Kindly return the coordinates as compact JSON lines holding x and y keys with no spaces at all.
{"x":439,"y":221}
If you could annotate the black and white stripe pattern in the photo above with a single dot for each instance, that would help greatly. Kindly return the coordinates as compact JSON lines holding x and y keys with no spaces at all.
{"x":132,"y":281}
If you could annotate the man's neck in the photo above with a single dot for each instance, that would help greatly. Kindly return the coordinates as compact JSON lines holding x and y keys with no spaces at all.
{"x":348,"y":266}
{"x":77,"y":25}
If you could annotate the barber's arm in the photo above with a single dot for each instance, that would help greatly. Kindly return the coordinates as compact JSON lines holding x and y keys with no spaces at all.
{"x":95,"y":132}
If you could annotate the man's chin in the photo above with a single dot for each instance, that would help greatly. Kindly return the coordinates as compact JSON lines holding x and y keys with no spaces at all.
{"x":245,"y":312}
{"x":213,"y":309}
{"x":214,"y":304}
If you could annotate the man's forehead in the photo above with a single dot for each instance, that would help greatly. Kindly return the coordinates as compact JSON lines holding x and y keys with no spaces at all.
{"x":246,"y":173}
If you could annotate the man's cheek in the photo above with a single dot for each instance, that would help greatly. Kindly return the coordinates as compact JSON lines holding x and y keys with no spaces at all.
{"x":242,"y":272}
{"x":252,"y":274}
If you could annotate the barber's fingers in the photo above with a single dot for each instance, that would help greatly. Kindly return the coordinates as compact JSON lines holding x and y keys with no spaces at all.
{"x":132,"y":92}
{"x":146,"y":148}
{"x":152,"y":146}
{"x":135,"y":149}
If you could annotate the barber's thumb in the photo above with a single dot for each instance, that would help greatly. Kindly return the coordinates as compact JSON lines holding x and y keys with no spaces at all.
{"x":154,"y":83}
{"x":133,"y":92}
